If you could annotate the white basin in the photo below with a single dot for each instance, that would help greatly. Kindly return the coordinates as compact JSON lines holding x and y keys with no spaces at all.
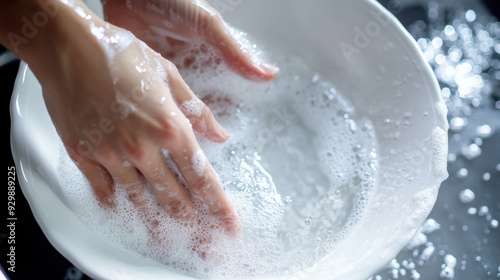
{"x":357,"y":45}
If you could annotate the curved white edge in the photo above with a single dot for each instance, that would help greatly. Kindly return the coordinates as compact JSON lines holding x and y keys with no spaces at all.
{"x":441,"y":122}
{"x":429,"y":191}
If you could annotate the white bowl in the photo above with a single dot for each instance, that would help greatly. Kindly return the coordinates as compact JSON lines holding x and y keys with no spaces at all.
{"x":366,"y":53}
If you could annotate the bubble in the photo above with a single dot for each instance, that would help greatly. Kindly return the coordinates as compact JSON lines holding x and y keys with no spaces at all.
{"x":437,"y":42}
{"x":494,"y":223}
{"x":414,"y":274}
{"x":484,"y":131}
{"x":467,"y":196}
{"x":192,"y":107}
{"x":470,"y":15}
{"x":456,"y":124}
{"x":486,"y":176}
{"x":430,"y":226}
{"x":427,"y":252}
{"x":418,"y":240}
{"x":472,"y":211}
{"x":452,"y":157}
{"x":472,"y":151}
{"x":483,"y":210}
{"x":449,"y":30}
{"x":448,"y":268}
{"x":462,"y":173}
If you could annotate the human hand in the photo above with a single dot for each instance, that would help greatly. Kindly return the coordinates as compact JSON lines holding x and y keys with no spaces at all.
{"x":166,"y":26}
{"x":113,"y":101}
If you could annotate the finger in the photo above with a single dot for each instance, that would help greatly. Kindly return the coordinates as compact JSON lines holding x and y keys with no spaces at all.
{"x":204,"y":182}
{"x":126,"y":176}
{"x":200,"y":116}
{"x":238,"y":56}
{"x":172,"y":196}
{"x":98,"y":177}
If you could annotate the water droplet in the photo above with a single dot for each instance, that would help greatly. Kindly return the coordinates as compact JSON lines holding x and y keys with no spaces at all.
{"x":308,"y":220}
{"x":456,"y":124}
{"x":494,"y":223}
{"x":472,"y":151}
{"x":315,"y":79}
{"x":470,"y":15}
{"x":486,"y":176}
{"x":430,"y":226}
{"x":483,"y":210}
{"x":472,"y":211}
{"x":467,"y":196}
{"x":462,"y":173}
{"x":484,"y":131}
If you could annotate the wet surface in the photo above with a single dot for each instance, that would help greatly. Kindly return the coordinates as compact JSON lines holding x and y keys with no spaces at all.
{"x":461,"y":41}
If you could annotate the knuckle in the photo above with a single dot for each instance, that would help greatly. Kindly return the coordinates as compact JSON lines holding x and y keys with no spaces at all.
{"x":171,"y":130}
{"x":201,"y":186}
{"x":136,"y":152}
{"x":179,"y":208}
{"x":174,"y":205}
{"x":105,"y":154}
{"x":77,"y":157}
{"x":136,"y":196}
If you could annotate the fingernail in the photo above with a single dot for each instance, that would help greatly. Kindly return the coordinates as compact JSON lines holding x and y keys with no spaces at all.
{"x":223,"y":132}
{"x":267,"y":68}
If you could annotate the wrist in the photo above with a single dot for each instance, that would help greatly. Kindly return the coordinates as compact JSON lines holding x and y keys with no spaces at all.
{"x":26,"y":25}
{"x":44,"y":32}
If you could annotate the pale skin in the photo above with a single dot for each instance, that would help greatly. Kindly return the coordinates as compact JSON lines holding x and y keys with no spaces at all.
{"x":117,"y":116}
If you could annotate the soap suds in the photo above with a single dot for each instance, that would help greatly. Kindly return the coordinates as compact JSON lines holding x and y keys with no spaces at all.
{"x":192,"y":107}
{"x":199,"y":160}
{"x":298,"y":168}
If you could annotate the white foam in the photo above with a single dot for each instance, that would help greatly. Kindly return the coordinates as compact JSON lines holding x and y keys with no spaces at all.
{"x":192,"y":107}
{"x":113,"y":40}
{"x":199,"y":161}
{"x":298,"y":167}
{"x":439,"y":145}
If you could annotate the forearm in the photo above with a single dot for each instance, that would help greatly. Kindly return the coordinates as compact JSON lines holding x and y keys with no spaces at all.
{"x":42,"y":32}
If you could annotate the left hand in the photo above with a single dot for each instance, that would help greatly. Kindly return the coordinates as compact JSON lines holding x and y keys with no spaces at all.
{"x":167,"y":24}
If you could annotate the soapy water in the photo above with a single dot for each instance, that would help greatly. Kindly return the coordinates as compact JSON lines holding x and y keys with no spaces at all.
{"x":299,"y":167}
